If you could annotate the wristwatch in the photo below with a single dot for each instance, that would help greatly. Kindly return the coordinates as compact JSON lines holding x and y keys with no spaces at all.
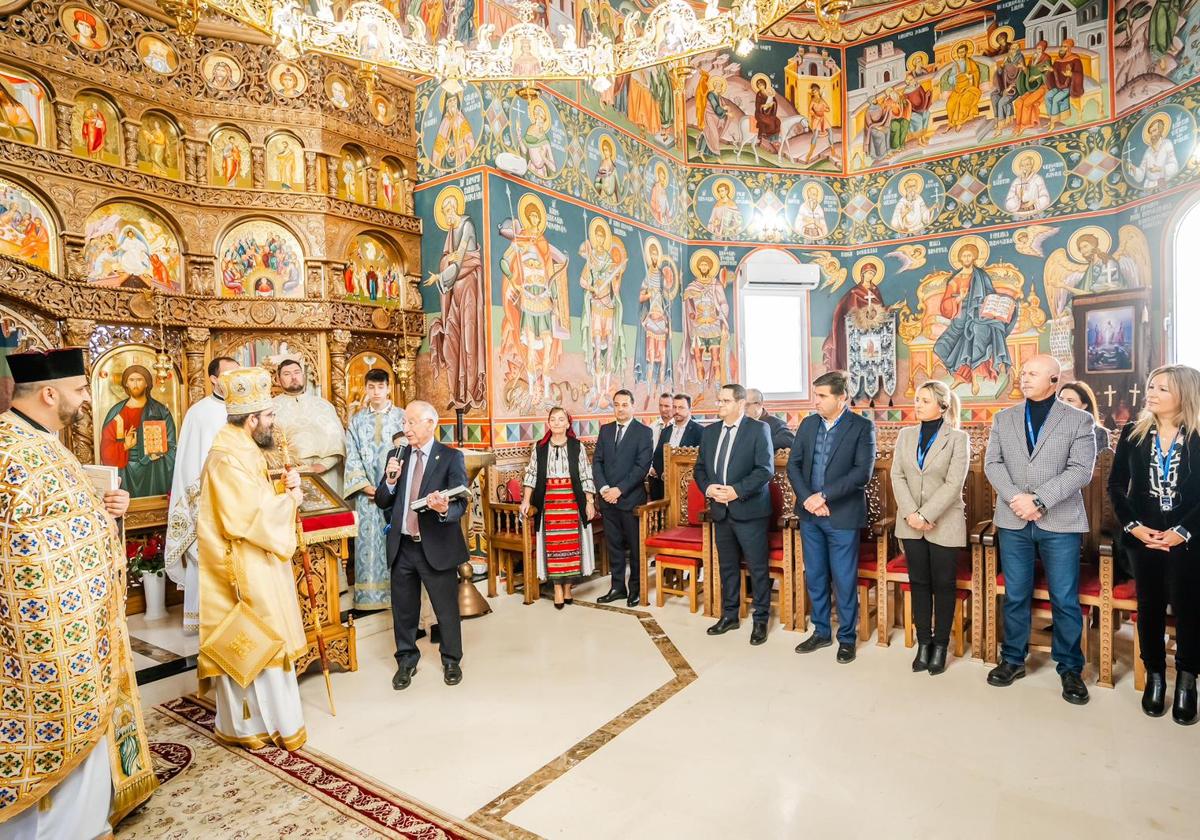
{"x":1183,"y":532}
{"x":1134,"y":524}
{"x":1041,"y":506}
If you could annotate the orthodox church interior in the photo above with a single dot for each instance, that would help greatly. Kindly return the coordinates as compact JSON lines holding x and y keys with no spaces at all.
{"x":614,"y":207}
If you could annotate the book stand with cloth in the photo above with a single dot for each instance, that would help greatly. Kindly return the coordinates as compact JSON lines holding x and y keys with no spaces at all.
{"x":328,"y":524}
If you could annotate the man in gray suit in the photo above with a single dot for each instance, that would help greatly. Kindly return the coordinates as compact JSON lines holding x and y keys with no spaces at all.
{"x":1040,"y":456}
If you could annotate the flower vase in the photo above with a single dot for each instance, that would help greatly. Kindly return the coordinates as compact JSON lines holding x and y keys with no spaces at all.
{"x":155,"y":587}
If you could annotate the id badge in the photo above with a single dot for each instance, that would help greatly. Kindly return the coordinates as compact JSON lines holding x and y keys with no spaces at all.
{"x":1166,"y":503}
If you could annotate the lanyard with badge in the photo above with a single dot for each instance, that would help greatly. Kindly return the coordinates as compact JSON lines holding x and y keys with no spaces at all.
{"x":1166,"y":499}
{"x":922,"y":451}
{"x":1030,"y":434}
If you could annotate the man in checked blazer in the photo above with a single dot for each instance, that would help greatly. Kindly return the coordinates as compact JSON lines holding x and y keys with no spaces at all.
{"x":1040,"y":456}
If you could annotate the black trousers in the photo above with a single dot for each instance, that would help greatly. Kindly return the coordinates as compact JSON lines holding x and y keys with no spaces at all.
{"x":658,"y":490}
{"x":738,"y":542}
{"x":931,"y":573}
{"x":1168,"y":577}
{"x":621,"y":531}
{"x":410,"y":570}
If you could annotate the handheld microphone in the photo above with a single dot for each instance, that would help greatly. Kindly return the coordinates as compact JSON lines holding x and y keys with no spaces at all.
{"x":395,"y":453}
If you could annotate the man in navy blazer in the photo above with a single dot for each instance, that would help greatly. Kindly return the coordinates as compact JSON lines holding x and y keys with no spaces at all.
{"x":733,"y":468}
{"x":832,"y":460}
{"x":623,"y":452}
{"x":781,"y":436}
{"x":682,"y":431}
{"x":427,"y":546}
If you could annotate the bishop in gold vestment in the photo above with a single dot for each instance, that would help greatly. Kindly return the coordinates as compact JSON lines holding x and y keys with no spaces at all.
{"x":73,"y":752}
{"x":247,"y":536}
{"x":315,"y":434}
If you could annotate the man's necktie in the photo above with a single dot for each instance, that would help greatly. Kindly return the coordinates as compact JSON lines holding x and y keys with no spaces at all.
{"x":414,"y":487}
{"x":723,"y":452}
{"x":620,"y":434}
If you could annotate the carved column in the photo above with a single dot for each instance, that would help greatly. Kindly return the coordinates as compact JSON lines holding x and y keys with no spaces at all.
{"x":406,"y":364}
{"x":310,"y":171}
{"x":200,"y":273}
{"x":339,"y":340}
{"x":195,"y":347}
{"x":331,"y":171}
{"x":258,"y":167}
{"x":373,"y":187}
{"x":196,"y":161}
{"x":77,"y":332}
{"x":131,"y":144}
{"x":64,"y":113}
{"x":406,"y":197}
{"x":73,"y":251}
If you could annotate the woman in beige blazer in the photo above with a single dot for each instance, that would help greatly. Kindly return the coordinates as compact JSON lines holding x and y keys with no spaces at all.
{"x":929,"y":469}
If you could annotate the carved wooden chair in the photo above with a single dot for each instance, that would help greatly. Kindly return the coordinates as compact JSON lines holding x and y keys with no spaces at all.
{"x":968,"y":578}
{"x":781,"y":552}
{"x":675,"y":536}
{"x":512,"y":538}
{"x":1116,"y":599}
{"x":1091,"y":594}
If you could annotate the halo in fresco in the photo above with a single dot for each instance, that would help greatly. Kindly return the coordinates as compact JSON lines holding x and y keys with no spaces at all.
{"x":221,"y":71}
{"x":537,"y":135}
{"x":85,"y":27}
{"x":287,"y":79}
{"x":662,"y":193}
{"x":812,"y":209}
{"x":339,"y":92}
{"x":157,"y":54}
{"x":724,"y":204}
{"x":911,"y":200}
{"x":27,"y":230}
{"x":260,"y":258}
{"x":606,"y":166}
{"x":1027,"y":181}
{"x":1157,"y":149}
{"x":451,"y":127}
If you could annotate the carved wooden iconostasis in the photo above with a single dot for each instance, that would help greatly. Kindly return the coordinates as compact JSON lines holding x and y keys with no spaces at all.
{"x":166,"y":201}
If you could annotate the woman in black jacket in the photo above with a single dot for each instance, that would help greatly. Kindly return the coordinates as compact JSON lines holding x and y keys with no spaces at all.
{"x":1155,"y":490}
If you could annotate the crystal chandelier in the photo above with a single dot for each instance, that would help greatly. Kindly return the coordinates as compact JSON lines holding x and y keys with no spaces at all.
{"x":371,"y":36}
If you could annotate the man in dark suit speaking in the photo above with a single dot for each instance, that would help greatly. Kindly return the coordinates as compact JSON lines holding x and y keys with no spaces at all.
{"x":733,"y":469}
{"x":426,"y":546}
{"x":682,"y":431}
{"x":619,"y":467}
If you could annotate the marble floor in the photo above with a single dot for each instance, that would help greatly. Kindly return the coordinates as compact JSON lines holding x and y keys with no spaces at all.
{"x":600,"y":723}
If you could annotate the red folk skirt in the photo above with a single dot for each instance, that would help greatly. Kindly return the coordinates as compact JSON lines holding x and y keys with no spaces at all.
{"x":561,"y":532}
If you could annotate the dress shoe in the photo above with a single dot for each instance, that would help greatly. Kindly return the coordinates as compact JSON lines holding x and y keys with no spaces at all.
{"x":1184,"y":709}
{"x":1074,"y":691}
{"x":610,"y":596}
{"x":937,"y":660}
{"x":403,"y":677}
{"x":1154,"y":698}
{"x":758,"y":633}
{"x":435,"y":634}
{"x":846,"y":652}
{"x":1005,"y":674}
{"x":558,"y":605}
{"x":723,"y":626}
{"x":452,"y":673}
{"x":632,"y":600}
{"x":813,"y":642}
{"x":568,"y":601}
{"x":921,"y":662}
{"x":421,"y":634}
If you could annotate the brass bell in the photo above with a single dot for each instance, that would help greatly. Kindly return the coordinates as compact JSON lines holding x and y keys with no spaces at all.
{"x":470,"y":603}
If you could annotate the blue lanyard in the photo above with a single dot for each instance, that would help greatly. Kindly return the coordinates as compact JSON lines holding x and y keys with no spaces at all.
{"x":1164,"y":461}
{"x":1029,"y":432}
{"x":922,"y":451}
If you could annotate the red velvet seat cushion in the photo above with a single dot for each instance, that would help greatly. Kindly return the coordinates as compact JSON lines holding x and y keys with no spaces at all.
{"x":696,"y":503}
{"x":775,"y":557}
{"x":1044,"y":606}
{"x":514,"y":489}
{"x":1126,"y":591}
{"x":775,"y":540}
{"x":681,"y":537}
{"x":676,"y":560}
{"x":1089,"y":581}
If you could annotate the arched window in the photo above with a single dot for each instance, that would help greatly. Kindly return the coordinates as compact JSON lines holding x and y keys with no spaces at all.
{"x":1187,"y":295}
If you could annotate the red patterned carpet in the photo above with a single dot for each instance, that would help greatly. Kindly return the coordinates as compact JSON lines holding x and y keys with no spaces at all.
{"x":211,"y":791}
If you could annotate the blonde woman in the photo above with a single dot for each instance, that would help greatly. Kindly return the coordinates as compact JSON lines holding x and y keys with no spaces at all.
{"x":1155,"y":490}
{"x":1079,"y":394}
{"x":929,"y":470}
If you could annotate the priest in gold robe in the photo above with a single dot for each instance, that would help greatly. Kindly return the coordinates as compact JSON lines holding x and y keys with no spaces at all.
{"x":315,"y":434}
{"x":74,"y":758}
{"x":247,"y":536}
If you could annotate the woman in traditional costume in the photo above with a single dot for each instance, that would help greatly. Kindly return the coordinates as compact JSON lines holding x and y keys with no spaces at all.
{"x":560,"y":491}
